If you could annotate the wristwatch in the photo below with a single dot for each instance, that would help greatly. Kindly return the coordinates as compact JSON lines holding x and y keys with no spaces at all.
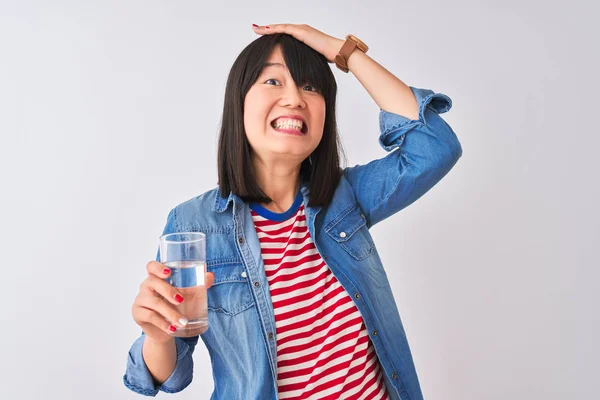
{"x":351,"y":43}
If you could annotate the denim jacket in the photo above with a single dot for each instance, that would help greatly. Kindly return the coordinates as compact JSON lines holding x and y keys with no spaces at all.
{"x":241,"y":338}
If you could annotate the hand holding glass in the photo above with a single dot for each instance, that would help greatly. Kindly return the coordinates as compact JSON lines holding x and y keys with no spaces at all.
{"x":184,"y":253}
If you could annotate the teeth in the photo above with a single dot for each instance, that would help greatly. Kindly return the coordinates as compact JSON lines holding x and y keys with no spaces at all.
{"x":288,"y":124}
{"x":284,"y":126}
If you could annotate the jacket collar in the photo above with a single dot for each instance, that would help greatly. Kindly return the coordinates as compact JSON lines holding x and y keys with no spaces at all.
{"x":222,"y":203}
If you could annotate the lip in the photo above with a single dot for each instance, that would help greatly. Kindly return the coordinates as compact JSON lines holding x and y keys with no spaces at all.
{"x":292,"y":116}
{"x":294,"y":132}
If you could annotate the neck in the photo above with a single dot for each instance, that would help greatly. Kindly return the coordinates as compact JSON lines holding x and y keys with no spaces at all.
{"x":278,"y":180}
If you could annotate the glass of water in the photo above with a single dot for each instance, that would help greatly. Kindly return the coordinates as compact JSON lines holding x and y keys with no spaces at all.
{"x":184,"y":253}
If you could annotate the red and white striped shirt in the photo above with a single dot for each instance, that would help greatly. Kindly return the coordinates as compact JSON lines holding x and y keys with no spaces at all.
{"x":323,"y":347}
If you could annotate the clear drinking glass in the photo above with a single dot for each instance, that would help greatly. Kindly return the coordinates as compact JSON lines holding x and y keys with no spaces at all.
{"x":185,"y":254}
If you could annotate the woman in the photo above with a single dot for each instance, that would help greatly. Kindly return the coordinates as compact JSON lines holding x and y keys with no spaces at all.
{"x":300,"y":306}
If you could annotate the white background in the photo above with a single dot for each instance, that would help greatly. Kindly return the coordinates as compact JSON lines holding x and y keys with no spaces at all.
{"x":109,"y":114}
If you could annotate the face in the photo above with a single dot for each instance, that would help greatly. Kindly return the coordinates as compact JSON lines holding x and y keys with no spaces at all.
{"x":272,"y":96}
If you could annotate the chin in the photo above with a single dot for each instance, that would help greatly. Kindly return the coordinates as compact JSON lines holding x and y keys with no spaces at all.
{"x":289,"y":152}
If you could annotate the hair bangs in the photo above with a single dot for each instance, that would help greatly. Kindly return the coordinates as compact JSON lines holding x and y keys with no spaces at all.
{"x":306,"y":66}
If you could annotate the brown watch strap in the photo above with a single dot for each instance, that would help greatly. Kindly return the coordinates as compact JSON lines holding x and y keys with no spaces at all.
{"x":351,"y":43}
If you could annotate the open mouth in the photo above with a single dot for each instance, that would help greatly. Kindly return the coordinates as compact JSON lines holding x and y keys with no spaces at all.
{"x":293,"y":129}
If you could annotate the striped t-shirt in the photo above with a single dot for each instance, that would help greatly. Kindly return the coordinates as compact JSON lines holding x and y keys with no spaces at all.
{"x":323,"y":347}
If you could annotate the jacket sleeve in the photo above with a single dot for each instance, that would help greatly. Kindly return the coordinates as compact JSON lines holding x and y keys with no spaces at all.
{"x":137,"y":376}
{"x":422,"y":152}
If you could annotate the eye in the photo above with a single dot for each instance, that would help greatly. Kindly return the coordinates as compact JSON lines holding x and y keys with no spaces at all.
{"x":271,"y":80}
{"x":312,"y":88}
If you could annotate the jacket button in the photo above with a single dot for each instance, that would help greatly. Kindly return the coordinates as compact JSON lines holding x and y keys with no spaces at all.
{"x":270,"y":335}
{"x":342,"y":234}
{"x":244,"y":274}
{"x":394,"y":375}
{"x":256,"y":284}
{"x":357,"y":296}
{"x":241,"y":240}
{"x":375,"y":332}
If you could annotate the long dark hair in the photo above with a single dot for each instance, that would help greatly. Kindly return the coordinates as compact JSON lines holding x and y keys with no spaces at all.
{"x":321,"y":171}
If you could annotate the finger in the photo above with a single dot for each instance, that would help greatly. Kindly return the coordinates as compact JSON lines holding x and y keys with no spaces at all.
{"x":167,"y":310}
{"x":290,"y":29}
{"x":150,"y":317}
{"x":285,"y":28}
{"x":157,"y":269}
{"x":158,"y":285}
{"x":262,"y":28}
{"x":209,"y":279}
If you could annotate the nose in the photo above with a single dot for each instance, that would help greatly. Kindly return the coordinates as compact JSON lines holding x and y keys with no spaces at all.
{"x":292,"y":97}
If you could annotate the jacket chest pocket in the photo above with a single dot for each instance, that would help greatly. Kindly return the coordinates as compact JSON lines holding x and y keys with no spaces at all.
{"x":230,"y":293}
{"x":351,"y":233}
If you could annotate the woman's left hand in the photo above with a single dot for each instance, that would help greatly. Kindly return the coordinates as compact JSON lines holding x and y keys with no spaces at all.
{"x":327,"y":45}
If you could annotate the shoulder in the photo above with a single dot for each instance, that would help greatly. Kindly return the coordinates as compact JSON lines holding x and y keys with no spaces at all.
{"x":196,"y":207}
{"x":202,"y":201}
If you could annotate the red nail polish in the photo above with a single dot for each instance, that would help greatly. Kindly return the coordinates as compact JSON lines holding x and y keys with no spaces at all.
{"x":166,"y":271}
{"x":172,"y":328}
{"x":178,"y":298}
{"x":255,"y":25}
{"x":267,"y":27}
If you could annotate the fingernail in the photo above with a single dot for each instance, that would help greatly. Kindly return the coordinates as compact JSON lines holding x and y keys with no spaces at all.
{"x":267,"y":27}
{"x":183,"y":321}
{"x":166,"y":271}
{"x":172,"y":328}
{"x":178,"y":298}
{"x":254,"y":25}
